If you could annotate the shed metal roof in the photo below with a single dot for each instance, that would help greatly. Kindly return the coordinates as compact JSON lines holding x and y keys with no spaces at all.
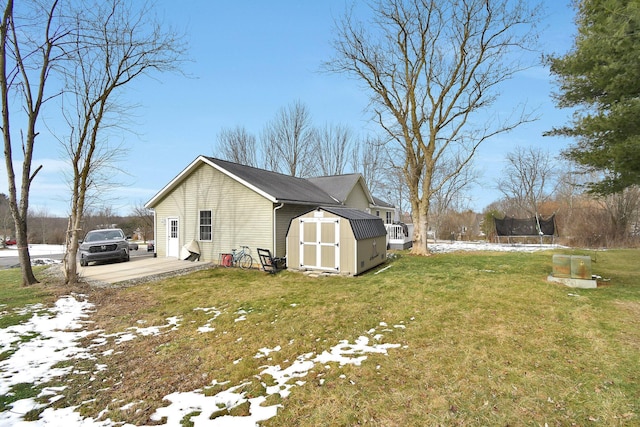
{"x":363,"y":225}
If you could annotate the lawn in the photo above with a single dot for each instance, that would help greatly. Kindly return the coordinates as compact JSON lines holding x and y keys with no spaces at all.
{"x":471,"y":339}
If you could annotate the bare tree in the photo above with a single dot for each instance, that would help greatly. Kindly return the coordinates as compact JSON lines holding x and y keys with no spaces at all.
{"x":332,"y":146}
{"x":6,"y":222}
{"x":116,"y":42}
{"x":369,"y":158}
{"x":42,"y":216}
{"x":393,"y":188}
{"x":528,"y":179}
{"x":451,"y":195}
{"x":237,"y":145}
{"x":621,"y":208}
{"x":431,"y":67}
{"x":30,"y":46}
{"x":143,"y":219}
{"x":287,"y":142}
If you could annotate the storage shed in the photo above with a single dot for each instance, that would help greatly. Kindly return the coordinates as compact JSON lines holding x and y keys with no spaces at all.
{"x":334,"y":239}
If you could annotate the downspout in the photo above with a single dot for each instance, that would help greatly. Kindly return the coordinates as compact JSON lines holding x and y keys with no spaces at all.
{"x":274,"y":229}
{"x":155,"y":233}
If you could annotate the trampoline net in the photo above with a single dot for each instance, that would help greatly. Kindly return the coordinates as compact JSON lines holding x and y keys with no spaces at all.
{"x":509,"y":226}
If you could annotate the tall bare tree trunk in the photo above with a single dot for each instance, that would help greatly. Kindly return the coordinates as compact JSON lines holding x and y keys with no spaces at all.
{"x":421,"y":228}
{"x":28,"y":278}
{"x":69,"y":261}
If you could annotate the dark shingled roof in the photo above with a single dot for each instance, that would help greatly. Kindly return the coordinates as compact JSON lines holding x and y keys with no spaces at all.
{"x":284,"y":188}
{"x":382,"y":203}
{"x":364,"y":225}
{"x":339,"y":186}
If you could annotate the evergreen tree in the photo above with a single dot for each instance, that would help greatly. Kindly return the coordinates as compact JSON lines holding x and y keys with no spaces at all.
{"x":600,"y":77}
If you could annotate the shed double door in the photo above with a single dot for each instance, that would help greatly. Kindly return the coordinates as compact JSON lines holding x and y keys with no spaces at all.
{"x":320,"y":243}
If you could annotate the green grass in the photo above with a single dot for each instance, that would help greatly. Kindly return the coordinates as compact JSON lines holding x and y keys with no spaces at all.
{"x":487,"y":341}
{"x":18,"y":392}
{"x":14,"y":297}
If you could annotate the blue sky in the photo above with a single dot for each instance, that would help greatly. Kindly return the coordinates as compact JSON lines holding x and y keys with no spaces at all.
{"x":249,"y":59}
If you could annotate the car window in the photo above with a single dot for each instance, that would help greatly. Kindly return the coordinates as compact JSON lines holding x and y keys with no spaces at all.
{"x":94,"y":237}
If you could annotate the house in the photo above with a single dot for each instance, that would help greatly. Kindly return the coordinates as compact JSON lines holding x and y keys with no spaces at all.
{"x":218,"y":206}
{"x":350,"y":190}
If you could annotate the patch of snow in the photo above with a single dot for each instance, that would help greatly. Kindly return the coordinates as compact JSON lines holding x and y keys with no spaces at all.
{"x":53,"y":339}
{"x":446,"y":247}
{"x":208,"y":310}
{"x":182,"y":404}
{"x":55,"y":334}
{"x":34,"y":250}
{"x":134,"y":332}
{"x":264,"y":352}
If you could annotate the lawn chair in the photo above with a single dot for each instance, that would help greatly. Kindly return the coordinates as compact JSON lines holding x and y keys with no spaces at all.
{"x":270,"y":264}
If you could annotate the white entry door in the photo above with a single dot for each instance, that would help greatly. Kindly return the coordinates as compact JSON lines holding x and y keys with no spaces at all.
{"x":320,"y":243}
{"x":173,"y":241}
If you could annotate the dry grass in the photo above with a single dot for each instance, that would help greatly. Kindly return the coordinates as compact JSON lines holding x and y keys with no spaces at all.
{"x":487,"y":341}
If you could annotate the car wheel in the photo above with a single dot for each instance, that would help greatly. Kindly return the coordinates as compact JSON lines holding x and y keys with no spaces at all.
{"x":126,"y":256}
{"x":83,"y":262}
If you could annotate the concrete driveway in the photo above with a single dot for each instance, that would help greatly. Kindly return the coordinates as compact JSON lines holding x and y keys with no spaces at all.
{"x":138,"y":269}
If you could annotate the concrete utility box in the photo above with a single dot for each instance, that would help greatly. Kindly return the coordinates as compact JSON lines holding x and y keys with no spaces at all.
{"x":573,"y":271}
{"x":561,"y":266}
{"x":581,"y":267}
{"x":573,"y":266}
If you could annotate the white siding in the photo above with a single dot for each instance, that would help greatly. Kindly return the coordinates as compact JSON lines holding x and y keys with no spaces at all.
{"x":240,"y":215}
{"x":358,"y":199}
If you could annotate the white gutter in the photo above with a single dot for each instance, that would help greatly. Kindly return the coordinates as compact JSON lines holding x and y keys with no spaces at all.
{"x":155,"y":233}
{"x":274,"y":229}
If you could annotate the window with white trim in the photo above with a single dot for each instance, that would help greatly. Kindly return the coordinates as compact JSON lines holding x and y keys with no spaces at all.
{"x":205,"y":226}
{"x":389,"y":219}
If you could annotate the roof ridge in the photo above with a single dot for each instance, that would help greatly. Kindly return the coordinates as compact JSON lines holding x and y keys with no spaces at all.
{"x":337,"y":175}
{"x":234,"y":164}
{"x":279,"y":186}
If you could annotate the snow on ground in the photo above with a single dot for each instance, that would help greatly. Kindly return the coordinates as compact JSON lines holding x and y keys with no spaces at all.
{"x":54,"y":335}
{"x":34,"y":250}
{"x":38,"y":253}
{"x":49,"y":343}
{"x":445,"y":246}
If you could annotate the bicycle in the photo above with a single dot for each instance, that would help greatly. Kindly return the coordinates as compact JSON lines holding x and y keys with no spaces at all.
{"x":241,"y":258}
